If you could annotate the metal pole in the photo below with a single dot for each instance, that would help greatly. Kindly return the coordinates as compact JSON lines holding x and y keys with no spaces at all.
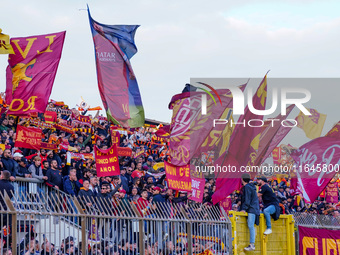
{"x":83,"y":224}
{"x":14,"y":222}
{"x":141,"y":229}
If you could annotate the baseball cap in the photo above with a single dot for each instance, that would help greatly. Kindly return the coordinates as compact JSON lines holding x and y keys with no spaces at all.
{"x":263,"y":178}
{"x":24,"y":160}
{"x":157,"y":188}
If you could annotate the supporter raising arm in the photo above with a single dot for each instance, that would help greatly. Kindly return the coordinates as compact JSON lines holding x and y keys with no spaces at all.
{"x":42,"y":154}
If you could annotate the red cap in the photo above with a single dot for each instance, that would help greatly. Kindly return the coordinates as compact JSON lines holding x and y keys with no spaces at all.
{"x":157,"y":188}
{"x":122,"y":191}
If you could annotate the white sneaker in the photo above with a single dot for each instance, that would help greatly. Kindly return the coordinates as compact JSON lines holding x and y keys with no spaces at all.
{"x":251,"y":247}
{"x":268,"y":231}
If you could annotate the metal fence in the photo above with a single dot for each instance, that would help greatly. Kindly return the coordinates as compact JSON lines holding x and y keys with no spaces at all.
{"x":52,"y":222}
{"x":317,"y":220}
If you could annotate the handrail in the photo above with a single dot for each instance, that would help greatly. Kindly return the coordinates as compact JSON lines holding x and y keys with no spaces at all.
{"x":30,"y":180}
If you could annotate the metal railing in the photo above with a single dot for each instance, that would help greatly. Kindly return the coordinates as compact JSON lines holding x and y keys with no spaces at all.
{"x":52,"y":221}
{"x":31,"y":186}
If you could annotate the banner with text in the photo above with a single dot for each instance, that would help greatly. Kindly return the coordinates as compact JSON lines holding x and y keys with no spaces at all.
{"x":178,"y":177}
{"x":197,"y":189}
{"x":107,"y":161}
{"x":318,"y":241}
{"x":29,"y":138}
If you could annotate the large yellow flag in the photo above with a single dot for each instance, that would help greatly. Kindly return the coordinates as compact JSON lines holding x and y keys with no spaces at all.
{"x":312,"y":124}
{"x":5,"y":46}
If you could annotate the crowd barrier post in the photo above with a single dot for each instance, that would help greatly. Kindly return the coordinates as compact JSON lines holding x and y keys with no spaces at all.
{"x":14,"y":223}
{"x":83,"y":222}
{"x":263,"y":238}
{"x":189,"y":231}
{"x":230,"y":228}
{"x":140,"y":227}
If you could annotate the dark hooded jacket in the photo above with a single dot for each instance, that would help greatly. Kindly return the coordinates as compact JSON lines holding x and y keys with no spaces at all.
{"x":71,"y":187}
{"x":249,"y":200}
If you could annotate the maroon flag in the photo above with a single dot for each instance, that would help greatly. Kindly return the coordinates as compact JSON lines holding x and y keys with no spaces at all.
{"x":229,"y":182}
{"x":189,"y":127}
{"x":317,"y":162}
{"x":271,"y":135}
{"x":242,"y":149}
{"x":163,"y":132}
{"x":281,"y":133}
{"x":28,"y":138}
{"x":31,"y":71}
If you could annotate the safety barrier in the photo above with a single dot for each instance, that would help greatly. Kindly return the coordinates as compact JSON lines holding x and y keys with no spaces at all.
{"x":32,"y":186}
{"x":56,"y":221}
{"x":281,"y":241}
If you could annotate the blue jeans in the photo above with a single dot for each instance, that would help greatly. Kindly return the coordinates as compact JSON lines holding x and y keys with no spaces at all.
{"x":251,"y":222}
{"x":267,"y":212}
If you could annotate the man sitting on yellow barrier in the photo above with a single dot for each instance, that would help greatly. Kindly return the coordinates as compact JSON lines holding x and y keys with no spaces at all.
{"x":270,"y":203}
{"x":250,"y":204}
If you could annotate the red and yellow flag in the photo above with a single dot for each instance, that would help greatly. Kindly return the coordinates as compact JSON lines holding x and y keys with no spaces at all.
{"x":242,"y":148}
{"x":28,"y":138}
{"x":312,"y":125}
{"x":5,"y":46}
{"x":31,"y":71}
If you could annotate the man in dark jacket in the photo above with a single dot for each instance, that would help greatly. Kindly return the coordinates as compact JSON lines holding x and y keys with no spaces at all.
{"x":5,"y":185}
{"x":23,"y":171}
{"x":270,"y":203}
{"x":123,"y":178}
{"x":71,"y":184}
{"x":54,"y":176}
{"x":9,"y":164}
{"x":250,"y":204}
{"x":157,"y":196}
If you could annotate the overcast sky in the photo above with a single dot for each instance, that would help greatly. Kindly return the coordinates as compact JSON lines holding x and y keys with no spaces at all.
{"x":181,"y":39}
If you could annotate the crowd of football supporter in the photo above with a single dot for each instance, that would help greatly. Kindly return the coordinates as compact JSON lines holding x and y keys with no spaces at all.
{"x":142,"y":179}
